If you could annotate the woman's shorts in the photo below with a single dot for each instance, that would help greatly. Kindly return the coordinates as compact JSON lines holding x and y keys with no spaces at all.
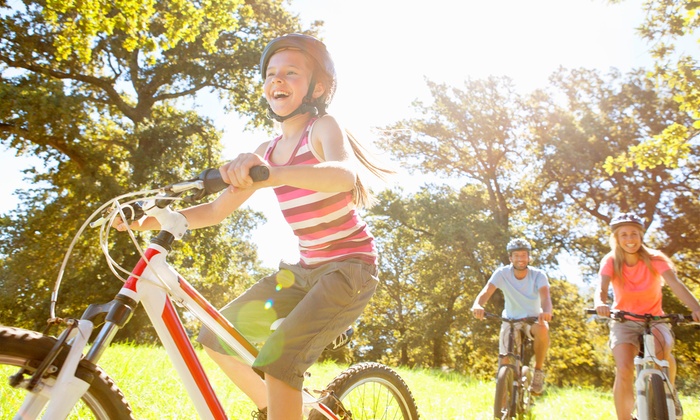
{"x":630,"y":331}
{"x":317,"y":305}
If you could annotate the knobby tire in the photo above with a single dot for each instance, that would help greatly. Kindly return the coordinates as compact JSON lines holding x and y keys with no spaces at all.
{"x":502,"y":406}
{"x":19,"y":347}
{"x":370,"y":391}
{"x":657,"y":408}
{"x":525,"y":398}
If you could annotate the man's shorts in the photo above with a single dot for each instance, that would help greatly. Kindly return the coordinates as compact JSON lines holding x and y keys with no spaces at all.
{"x":630,"y":331}
{"x":317,"y":305}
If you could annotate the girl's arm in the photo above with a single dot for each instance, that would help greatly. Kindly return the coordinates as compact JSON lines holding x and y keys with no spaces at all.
{"x":682,"y":292}
{"x":202,"y":215}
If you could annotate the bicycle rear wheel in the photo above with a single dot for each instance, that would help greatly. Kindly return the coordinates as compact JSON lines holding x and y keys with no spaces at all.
{"x":502,"y":406}
{"x":369,"y":391}
{"x":657,"y":409}
{"x":19,"y":347}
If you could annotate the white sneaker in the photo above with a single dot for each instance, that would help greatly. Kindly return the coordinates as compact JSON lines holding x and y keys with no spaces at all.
{"x":537,"y":385}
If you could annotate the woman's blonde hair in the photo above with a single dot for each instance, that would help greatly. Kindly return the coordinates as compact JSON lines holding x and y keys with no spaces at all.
{"x":645,"y":254}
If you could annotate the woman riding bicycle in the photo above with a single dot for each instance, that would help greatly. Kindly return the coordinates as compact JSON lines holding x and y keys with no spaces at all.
{"x":637,"y":274}
{"x":313,"y":170}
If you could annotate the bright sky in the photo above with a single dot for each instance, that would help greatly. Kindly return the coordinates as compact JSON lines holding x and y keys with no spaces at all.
{"x":384,"y":50}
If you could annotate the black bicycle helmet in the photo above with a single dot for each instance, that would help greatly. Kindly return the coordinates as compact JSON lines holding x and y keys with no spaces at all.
{"x":317,"y":51}
{"x":626,"y":219}
{"x":518,"y":244}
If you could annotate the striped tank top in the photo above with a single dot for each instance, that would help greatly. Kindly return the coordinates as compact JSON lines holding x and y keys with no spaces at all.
{"x":326,"y":224}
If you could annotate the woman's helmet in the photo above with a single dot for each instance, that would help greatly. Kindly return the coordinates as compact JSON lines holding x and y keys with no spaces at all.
{"x":317,"y":52}
{"x":518,"y":244}
{"x":626,"y":219}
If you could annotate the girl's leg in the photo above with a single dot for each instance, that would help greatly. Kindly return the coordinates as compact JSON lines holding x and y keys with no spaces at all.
{"x":285,"y":402}
{"x":623,"y":389}
{"x":243,"y":376}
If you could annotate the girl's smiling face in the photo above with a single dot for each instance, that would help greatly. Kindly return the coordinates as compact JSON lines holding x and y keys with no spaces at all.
{"x":629,"y":238}
{"x":287,"y":81}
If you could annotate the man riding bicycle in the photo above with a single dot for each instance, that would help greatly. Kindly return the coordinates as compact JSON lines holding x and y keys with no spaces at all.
{"x":526,"y":292}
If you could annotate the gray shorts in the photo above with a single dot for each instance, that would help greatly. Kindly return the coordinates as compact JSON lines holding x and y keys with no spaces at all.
{"x":630,"y":331}
{"x":317,"y":305}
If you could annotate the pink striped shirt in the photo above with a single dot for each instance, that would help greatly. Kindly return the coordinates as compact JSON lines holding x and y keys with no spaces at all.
{"x":326,"y":224}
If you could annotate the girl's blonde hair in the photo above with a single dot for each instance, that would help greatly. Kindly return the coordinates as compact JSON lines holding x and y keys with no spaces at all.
{"x":361,"y":195}
{"x":646,"y":254}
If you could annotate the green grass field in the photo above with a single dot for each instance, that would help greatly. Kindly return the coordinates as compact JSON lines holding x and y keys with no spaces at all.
{"x":150,"y":384}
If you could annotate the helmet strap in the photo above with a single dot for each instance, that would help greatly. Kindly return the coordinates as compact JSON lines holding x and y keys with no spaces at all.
{"x":307,"y":105}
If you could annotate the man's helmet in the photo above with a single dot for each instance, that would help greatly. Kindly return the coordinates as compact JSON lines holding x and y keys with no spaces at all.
{"x":316,"y":51}
{"x":518,"y":245}
{"x":626,"y":219}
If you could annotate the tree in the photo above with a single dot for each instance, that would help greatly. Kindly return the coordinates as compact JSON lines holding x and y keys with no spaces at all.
{"x":92,"y":88}
{"x":600,"y":117}
{"x":472,"y":134}
{"x":666,"y":22}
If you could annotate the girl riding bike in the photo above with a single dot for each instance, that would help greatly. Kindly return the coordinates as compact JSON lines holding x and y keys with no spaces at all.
{"x":313,"y":169}
{"x":637,"y":274}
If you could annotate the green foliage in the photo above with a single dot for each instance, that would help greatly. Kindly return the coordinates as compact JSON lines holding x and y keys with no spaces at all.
{"x":91,"y":88}
{"x":666,"y":22}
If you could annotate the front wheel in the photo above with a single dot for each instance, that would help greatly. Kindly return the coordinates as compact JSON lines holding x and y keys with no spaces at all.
{"x":525,"y":398}
{"x":369,"y":391}
{"x":657,"y":409}
{"x":19,"y":347}
{"x":502,"y":406}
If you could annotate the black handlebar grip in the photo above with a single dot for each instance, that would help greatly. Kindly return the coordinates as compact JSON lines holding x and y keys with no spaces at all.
{"x":212,"y":181}
{"x":590,"y":311}
{"x":259,"y":173}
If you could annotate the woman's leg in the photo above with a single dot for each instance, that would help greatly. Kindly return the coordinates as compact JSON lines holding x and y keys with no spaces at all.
{"x":623,"y":389}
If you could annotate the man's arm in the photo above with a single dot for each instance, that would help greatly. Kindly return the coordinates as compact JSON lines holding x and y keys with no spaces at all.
{"x":481,"y":299}
{"x":546,"y":314}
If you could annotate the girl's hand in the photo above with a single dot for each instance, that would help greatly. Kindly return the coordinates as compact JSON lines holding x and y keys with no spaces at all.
{"x":478,"y":311}
{"x":237,"y":171}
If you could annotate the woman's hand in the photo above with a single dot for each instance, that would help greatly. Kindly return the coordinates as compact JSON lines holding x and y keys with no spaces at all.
{"x":602,"y":310}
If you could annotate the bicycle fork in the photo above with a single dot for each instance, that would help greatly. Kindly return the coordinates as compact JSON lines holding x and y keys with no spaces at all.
{"x":646,"y":367}
{"x":63,"y":393}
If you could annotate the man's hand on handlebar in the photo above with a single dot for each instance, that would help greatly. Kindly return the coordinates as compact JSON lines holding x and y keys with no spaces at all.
{"x":544,"y":317}
{"x":478,"y":311}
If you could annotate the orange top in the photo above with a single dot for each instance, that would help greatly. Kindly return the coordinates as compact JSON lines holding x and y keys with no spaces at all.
{"x":639,"y":291}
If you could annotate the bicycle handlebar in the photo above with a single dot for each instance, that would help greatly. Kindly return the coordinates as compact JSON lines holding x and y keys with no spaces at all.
{"x":527,"y":319}
{"x":624,"y":316}
{"x":208,"y":182}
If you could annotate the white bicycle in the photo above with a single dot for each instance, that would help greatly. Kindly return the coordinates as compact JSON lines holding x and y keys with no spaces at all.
{"x":657,"y":399}
{"x":61,"y":376}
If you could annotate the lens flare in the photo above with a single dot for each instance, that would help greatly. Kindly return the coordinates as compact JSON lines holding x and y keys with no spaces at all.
{"x":285,"y":279}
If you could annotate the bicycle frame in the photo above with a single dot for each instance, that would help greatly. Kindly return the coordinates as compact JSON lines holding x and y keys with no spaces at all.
{"x":155,"y":284}
{"x":513,"y":358}
{"x":648,"y":364}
